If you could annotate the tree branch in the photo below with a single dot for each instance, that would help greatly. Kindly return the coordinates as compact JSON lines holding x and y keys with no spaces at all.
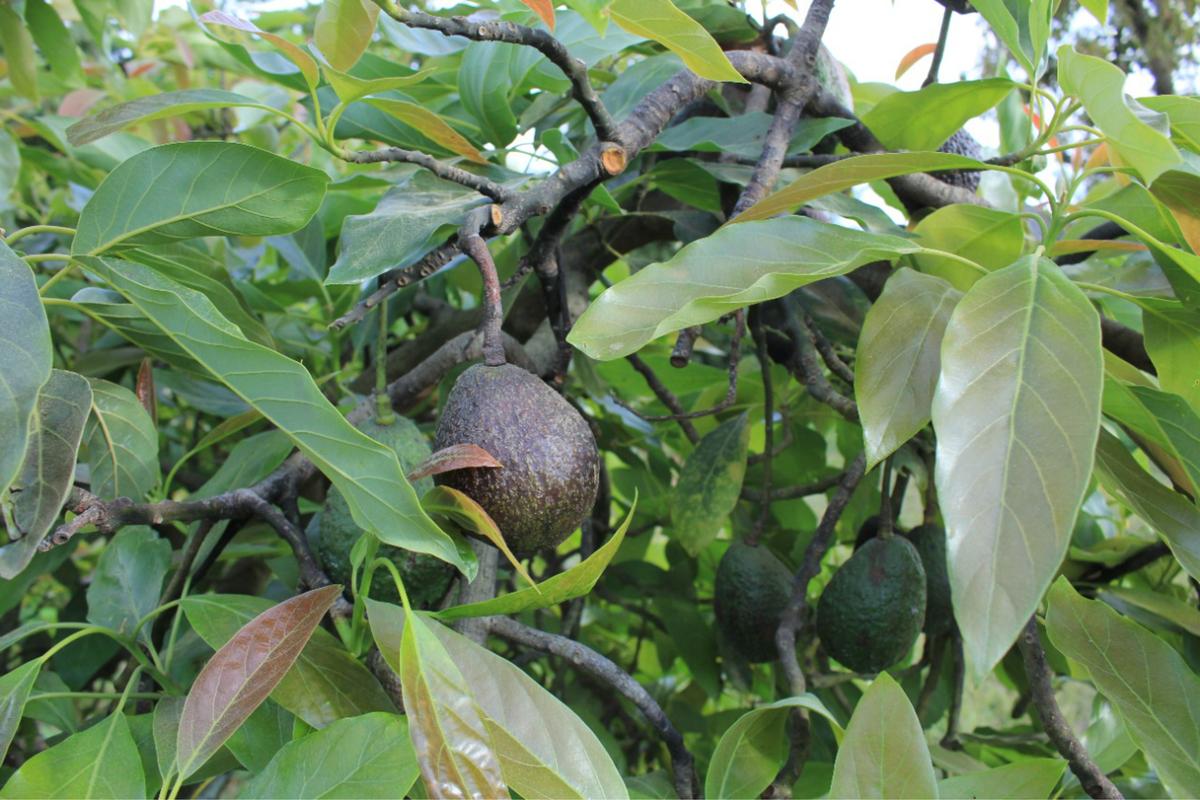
{"x":484,"y":186}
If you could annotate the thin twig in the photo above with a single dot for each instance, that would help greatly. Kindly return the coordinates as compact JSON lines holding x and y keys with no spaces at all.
{"x":681,"y":353}
{"x":792,"y":492}
{"x":828,"y":354}
{"x":665,"y":396}
{"x":484,"y":186}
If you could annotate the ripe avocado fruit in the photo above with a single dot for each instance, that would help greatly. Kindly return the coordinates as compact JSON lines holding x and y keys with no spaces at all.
{"x":551,"y":468}
{"x":961,"y":144}
{"x":930,"y":541}
{"x":752,"y":590}
{"x":871,"y":611}
{"x":426,"y":578}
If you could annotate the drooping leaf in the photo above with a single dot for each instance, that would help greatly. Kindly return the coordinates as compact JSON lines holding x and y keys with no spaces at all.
{"x":14,"y":692}
{"x":710,"y":484}
{"x":243,"y":672}
{"x":661,"y":21}
{"x":1184,"y":113}
{"x":883,"y":753}
{"x":991,"y":238}
{"x":349,"y":87}
{"x":1033,"y":777}
{"x":324,"y":685}
{"x":100,"y":763}
{"x":752,"y":750}
{"x":1156,"y":692}
{"x":25,"y":341}
{"x":485,"y":83}
{"x":1017,"y":413}
{"x":1137,"y":140}
{"x":364,"y":471}
{"x":1009,"y":29}
{"x":54,"y":40}
{"x":899,"y":359}
{"x":46,"y":476}
{"x":429,"y":124}
{"x":235,"y":189}
{"x":1170,"y":514}
{"x":294,"y":53}
{"x":465,"y":512}
{"x":1172,"y":335}
{"x":128,"y":578}
{"x":737,"y":266}
{"x":156,"y":106}
{"x":849,"y":172}
{"x":121,"y":444}
{"x":924,"y":119}
{"x":370,"y":756}
{"x":343,"y":30}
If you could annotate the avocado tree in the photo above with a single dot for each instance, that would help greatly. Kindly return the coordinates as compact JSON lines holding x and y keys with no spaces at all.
{"x":590,"y":399}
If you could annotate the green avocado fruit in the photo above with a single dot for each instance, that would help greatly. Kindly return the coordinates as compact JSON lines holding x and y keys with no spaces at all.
{"x":426,"y":578}
{"x":930,"y":541}
{"x":961,"y":143}
{"x":753,"y":588}
{"x":871,"y":611}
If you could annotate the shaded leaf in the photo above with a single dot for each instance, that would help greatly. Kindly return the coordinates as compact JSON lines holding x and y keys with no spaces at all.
{"x":235,"y":189}
{"x":1017,"y":413}
{"x":663,"y":22}
{"x":165,"y":726}
{"x":243,"y":672}
{"x":343,"y":29}
{"x":465,"y":512}
{"x":429,"y":124}
{"x":1172,"y":335}
{"x":485,"y":83}
{"x":156,"y":106}
{"x":1033,"y":777}
{"x":14,"y":692}
{"x":710,"y":484}
{"x":448,"y":459}
{"x":52,"y":37}
{"x":18,"y":52}
{"x":262,"y":735}
{"x":1164,"y":606}
{"x":128,"y":579}
{"x":924,"y":119}
{"x":121,"y":444}
{"x":1162,"y":418}
{"x":98,"y":763}
{"x":739,"y":265}
{"x":899,"y":359}
{"x":1144,"y":677}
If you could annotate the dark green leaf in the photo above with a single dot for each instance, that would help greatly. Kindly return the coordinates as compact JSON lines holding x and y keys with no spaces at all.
{"x":14,"y":692}
{"x":710,"y":484}
{"x":121,"y":444}
{"x":128,"y":579}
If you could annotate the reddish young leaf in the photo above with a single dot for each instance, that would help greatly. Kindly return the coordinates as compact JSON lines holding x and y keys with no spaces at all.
{"x":293,"y":52}
{"x":544,"y":9}
{"x":243,"y":672}
{"x":913,"y":56}
{"x":456,"y":456}
{"x":145,"y":390}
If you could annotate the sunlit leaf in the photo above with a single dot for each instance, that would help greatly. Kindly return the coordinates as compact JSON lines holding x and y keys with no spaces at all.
{"x":99,"y":763}
{"x":988,"y":237}
{"x":924,"y":119}
{"x":343,"y":29}
{"x":709,"y":484}
{"x":429,"y":124}
{"x":661,"y":21}
{"x":1033,"y":777}
{"x":294,"y":53}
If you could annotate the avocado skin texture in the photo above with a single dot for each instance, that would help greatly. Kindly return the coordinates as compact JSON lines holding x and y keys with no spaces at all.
{"x":551,"y":468}
{"x":871,"y":611}
{"x":930,"y":541}
{"x":426,"y":578}
{"x":753,"y":588}
{"x":961,"y":144}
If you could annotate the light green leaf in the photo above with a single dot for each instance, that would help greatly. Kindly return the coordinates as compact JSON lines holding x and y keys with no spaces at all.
{"x":999,"y":15}
{"x":924,"y":119}
{"x":121,"y":444}
{"x":49,"y":469}
{"x":412,"y":218}
{"x":661,"y":21}
{"x":1097,"y":8}
{"x":752,"y":750}
{"x":883,"y":754}
{"x":1017,"y":412}
{"x":986,"y":236}
{"x":109,"y":309}
{"x":737,"y":266}
{"x":232,"y":189}
{"x":343,"y":29}
{"x":899,"y":358}
{"x":1034,"y":777}
{"x":1162,"y":418}
{"x":293,"y":52}
{"x":851,"y":172}
{"x":1164,"y":606}
{"x":429,"y":124}
{"x":1143,"y":145}
{"x":710,"y":484}
{"x":364,"y":471}
{"x":18,"y":52}
{"x":325,"y":684}
{"x":25,"y":342}
{"x":14,"y":692}
{"x":350,"y":87}
{"x":54,"y":40}
{"x":1170,"y":514}
{"x":128,"y":578}
{"x":99,"y":763}
{"x":1144,"y":677}
{"x":156,"y":106}
{"x":1184,"y":113}
{"x":165,"y":727}
{"x":489,"y":73}
{"x":1172,"y":335}
{"x":369,"y":756}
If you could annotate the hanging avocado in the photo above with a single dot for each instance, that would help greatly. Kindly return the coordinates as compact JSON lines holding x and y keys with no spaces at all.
{"x":752,"y":590}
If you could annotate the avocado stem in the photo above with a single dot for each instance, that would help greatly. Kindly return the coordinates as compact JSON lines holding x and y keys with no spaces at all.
{"x":493,"y":311}
{"x":885,"y":501}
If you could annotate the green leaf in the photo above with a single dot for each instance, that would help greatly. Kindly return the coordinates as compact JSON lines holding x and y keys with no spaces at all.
{"x":1144,"y":677}
{"x":1184,"y":113}
{"x":1164,"y":419}
{"x":661,"y":21}
{"x":165,"y":726}
{"x":453,"y":744}
{"x":1017,"y":412}
{"x":1164,"y":606}
{"x":851,"y":172}
{"x":752,"y":750}
{"x":884,"y":752}
{"x":128,"y":578}
{"x":924,"y":119}
{"x":484,"y":84}
{"x":999,"y":15}
{"x":121,"y":444}
{"x":343,"y":29}
{"x":293,"y":52}
{"x":364,"y":471}
{"x":325,"y":684}
{"x":990,"y":238}
{"x":98,"y":763}
{"x":1033,"y":777}
{"x":412,"y":218}
{"x":349,"y":88}
{"x":445,"y":502}
{"x":899,"y":359}
{"x":574,"y":582}
{"x":52,"y":37}
{"x":18,"y":52}
{"x":1141,"y":144}
{"x":233,"y":189}
{"x":369,"y":756}
{"x":1172,"y":335}
{"x":156,"y":106}
{"x":262,"y":736}
{"x":710,"y":484}
{"x":737,"y":266}
{"x":1175,"y":519}
{"x":109,"y":309}
{"x":429,"y":124}
{"x":25,"y":341}
{"x":243,"y":672}
{"x":14,"y":692}
{"x":49,"y":470}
